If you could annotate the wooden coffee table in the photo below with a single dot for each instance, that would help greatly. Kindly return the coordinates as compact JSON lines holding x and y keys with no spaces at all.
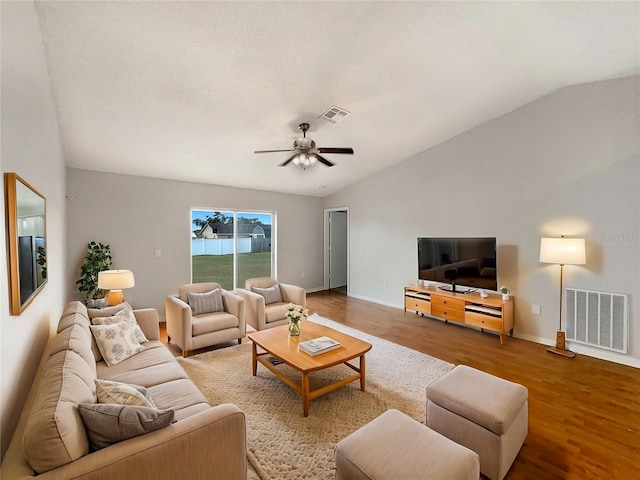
{"x":277,"y":342}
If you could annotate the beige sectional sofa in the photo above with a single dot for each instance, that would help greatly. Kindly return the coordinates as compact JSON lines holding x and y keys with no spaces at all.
{"x":51,"y":440}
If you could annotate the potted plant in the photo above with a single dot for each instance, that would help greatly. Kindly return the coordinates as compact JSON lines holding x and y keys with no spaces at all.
{"x":97,"y":259}
{"x":505,"y":292}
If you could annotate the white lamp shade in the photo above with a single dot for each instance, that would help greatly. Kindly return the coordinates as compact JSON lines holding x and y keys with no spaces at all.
{"x":115,"y":279}
{"x":565,"y":251}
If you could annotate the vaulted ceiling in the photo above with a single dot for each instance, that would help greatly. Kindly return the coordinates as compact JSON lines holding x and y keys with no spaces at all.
{"x":188,"y":90}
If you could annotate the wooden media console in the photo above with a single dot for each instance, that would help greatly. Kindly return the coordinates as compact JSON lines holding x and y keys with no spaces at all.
{"x":491,"y":313}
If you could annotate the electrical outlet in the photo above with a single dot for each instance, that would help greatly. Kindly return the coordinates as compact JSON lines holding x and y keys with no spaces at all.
{"x":158,"y":252}
{"x":535,"y":309}
{"x":302,"y":275}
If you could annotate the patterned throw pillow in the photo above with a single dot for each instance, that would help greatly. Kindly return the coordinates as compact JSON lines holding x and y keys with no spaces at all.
{"x":107,"y":424}
{"x":206,"y":302}
{"x":124,"y":314}
{"x":271,"y":294}
{"x":122,"y":393}
{"x":116,"y":342}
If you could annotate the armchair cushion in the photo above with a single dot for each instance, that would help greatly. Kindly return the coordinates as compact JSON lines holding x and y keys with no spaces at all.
{"x":208,"y":302}
{"x":271,"y":294}
{"x":275,"y":313}
{"x":212,"y":322}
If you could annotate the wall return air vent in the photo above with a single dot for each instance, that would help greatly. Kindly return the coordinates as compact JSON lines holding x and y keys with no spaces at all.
{"x":334,"y":114}
{"x":597,"y":319}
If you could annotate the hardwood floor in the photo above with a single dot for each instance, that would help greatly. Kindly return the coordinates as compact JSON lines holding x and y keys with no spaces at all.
{"x":584,"y":413}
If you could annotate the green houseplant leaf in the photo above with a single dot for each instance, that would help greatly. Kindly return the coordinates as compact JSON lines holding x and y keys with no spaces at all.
{"x":97,"y":259}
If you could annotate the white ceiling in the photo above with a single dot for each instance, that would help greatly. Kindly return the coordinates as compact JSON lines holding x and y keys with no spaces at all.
{"x":188,"y":90}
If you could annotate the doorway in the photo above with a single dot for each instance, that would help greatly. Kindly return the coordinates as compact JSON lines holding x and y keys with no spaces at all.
{"x":336,"y":250}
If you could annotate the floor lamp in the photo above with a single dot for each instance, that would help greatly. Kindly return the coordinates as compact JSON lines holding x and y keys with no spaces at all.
{"x":115,"y":281}
{"x":563,"y":251}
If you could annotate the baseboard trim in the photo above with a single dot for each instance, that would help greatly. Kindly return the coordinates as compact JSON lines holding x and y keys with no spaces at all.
{"x":549,"y":342}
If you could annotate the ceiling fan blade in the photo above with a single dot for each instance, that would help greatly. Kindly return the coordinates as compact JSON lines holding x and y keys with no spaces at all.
{"x":286,"y":162}
{"x":323,"y":160}
{"x":274,"y":151}
{"x":348,"y":151}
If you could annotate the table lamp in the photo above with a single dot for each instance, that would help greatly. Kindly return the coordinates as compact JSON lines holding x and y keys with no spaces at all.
{"x":115,"y":281}
{"x":563,"y":251}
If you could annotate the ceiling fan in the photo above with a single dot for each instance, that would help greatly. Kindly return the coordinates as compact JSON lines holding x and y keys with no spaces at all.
{"x":306,"y":153}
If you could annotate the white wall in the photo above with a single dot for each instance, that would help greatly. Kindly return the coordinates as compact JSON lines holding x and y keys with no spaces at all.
{"x":137,"y":215}
{"x":31,"y":148}
{"x":565,"y":164}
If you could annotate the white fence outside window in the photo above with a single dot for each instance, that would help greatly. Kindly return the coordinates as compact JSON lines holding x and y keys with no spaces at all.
{"x":218,"y":246}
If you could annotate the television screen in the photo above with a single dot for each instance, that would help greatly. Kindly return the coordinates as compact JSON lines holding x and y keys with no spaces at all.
{"x":468,"y":262}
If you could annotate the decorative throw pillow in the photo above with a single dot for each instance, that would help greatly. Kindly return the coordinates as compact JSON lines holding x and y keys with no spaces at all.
{"x":206,"y":302}
{"x":271,"y":294}
{"x":116,"y":342}
{"x":107,"y":311}
{"x":107,"y":424}
{"x":124,"y":314}
{"x":122,"y":393}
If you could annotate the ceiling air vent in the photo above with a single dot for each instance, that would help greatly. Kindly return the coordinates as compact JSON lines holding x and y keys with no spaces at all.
{"x":334,"y":114}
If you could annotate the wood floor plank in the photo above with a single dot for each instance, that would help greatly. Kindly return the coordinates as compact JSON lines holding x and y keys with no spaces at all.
{"x":584,"y":413}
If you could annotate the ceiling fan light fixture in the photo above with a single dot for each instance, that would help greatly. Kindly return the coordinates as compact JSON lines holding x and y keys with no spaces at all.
{"x":304,"y":160}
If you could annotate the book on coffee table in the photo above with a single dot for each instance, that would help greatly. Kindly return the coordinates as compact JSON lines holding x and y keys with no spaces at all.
{"x":318,"y":345}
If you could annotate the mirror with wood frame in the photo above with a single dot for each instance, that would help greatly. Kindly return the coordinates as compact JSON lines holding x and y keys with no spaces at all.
{"x":26,"y":239}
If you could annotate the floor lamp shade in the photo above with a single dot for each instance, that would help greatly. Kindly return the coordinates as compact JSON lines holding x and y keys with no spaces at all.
{"x":562,"y":251}
{"x":115,"y":281}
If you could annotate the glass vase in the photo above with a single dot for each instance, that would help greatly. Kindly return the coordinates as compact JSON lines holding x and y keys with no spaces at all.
{"x":294,"y":327}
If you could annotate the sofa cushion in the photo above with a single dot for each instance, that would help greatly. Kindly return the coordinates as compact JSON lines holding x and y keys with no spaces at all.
{"x":123,"y":315}
{"x":270,"y":294}
{"x":153,"y":366}
{"x":76,"y":313}
{"x":78,"y":339}
{"x":179,"y":395}
{"x":121,"y":393}
{"x":73,"y":308}
{"x":108,"y":424}
{"x":54,"y":433}
{"x":116,"y":342}
{"x":208,"y":302}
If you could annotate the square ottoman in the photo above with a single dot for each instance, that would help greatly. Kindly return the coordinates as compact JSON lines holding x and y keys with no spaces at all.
{"x":485,"y":413}
{"x":395,"y":446}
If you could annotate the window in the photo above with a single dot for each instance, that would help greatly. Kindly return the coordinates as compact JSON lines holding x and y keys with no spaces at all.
{"x":230,"y":246}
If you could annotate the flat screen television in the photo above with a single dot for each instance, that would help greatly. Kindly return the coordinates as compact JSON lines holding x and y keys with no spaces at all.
{"x":464,"y":264}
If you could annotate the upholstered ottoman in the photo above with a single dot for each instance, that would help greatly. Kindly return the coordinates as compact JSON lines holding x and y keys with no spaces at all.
{"x":486,"y":414}
{"x":395,"y":446}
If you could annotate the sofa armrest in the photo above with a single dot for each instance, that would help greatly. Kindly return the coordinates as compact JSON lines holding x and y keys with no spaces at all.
{"x":254,"y":308}
{"x":211,"y":444}
{"x":294,"y":294}
{"x":149,"y":322}
{"x":178,"y":318}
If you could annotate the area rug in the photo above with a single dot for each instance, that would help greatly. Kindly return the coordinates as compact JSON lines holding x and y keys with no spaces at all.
{"x":285,"y":445}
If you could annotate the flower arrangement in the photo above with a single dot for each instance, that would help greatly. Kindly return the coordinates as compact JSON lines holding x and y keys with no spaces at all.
{"x":295,"y":313}
{"x":504,"y":290}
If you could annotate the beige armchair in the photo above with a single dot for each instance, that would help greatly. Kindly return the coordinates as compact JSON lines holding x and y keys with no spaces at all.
{"x":212,"y":317}
{"x":263,"y":313}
